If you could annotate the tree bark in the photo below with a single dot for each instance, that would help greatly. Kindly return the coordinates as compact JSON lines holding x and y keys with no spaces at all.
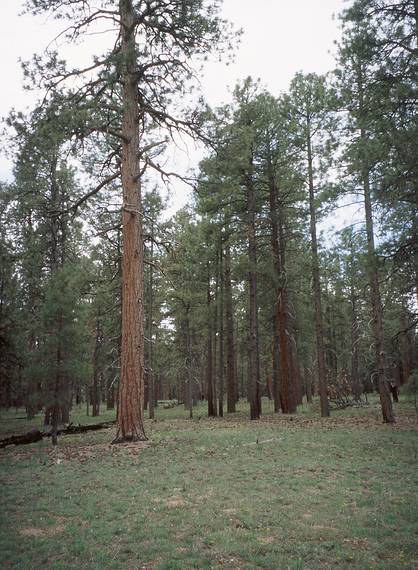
{"x":282,"y":358}
{"x":319,"y":327}
{"x":354,"y":376}
{"x":377,"y":309}
{"x":95,"y":400}
{"x":220,"y":308}
{"x":189,"y":363}
{"x":253,"y":342}
{"x":375,"y":298}
{"x":131,"y":389}
{"x":231,"y":355}
{"x":151,"y":386}
{"x":209,"y":359}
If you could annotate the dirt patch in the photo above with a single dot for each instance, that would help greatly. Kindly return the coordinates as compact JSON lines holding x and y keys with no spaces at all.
{"x":83,"y":453}
{"x":267,"y":539}
{"x":230,"y":562}
{"x":173,"y":503}
{"x":32,"y":532}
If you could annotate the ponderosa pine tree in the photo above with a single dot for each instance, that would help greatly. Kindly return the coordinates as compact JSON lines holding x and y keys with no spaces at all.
{"x":357,"y":56}
{"x":228,"y":184}
{"x":307,"y":104}
{"x":275,"y":174}
{"x":150,"y":61}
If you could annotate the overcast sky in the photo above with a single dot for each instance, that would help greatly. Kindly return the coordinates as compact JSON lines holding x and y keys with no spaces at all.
{"x":280,"y":38}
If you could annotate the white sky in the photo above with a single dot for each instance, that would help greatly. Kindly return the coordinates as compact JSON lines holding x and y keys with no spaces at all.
{"x":280,"y":38}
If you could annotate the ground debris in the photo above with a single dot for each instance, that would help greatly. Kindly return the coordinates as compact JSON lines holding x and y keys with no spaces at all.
{"x":35,"y":435}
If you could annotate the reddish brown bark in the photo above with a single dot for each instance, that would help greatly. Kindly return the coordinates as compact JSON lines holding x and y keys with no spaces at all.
{"x":282,"y":356}
{"x":131,"y":389}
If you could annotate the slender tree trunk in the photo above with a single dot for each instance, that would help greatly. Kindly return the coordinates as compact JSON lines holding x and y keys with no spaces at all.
{"x":277,"y":325}
{"x":375,"y":298}
{"x":110,"y":394}
{"x":56,"y":406}
{"x":189,"y":368}
{"x":231,"y":356}
{"x":57,"y":392}
{"x":355,"y":378}
{"x":209,"y":356}
{"x":405,"y":346}
{"x":290,"y":363}
{"x":96,"y":369}
{"x":253,"y":348}
{"x":215,"y":354}
{"x":319,"y":327}
{"x":151,"y":387}
{"x":220,"y":306}
{"x":377,"y":309}
{"x":131,"y":389}
{"x":32,"y":392}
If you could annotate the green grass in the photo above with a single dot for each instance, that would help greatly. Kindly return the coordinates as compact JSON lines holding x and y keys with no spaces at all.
{"x":282,"y":493}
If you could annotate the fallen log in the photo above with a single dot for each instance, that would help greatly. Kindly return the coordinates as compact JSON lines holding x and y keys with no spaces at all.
{"x":31,"y":437}
{"x":35,"y":435}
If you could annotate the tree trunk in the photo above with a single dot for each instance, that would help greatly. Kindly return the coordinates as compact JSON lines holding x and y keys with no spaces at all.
{"x":319,"y":327}
{"x":377,"y":309}
{"x":151,"y":387}
{"x":209,"y":356}
{"x":110,"y":394}
{"x":220,"y":307}
{"x":375,"y":298}
{"x":95,"y":399}
{"x":189,"y":363}
{"x":131,"y":389}
{"x":282,"y":365}
{"x":355,"y":379}
{"x":253,"y":343}
{"x":231,"y":355}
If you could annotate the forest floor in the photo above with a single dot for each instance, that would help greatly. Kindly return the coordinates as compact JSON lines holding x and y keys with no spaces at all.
{"x":295,"y":492}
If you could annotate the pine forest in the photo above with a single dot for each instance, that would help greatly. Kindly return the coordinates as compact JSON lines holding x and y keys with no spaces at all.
{"x":213,"y":365}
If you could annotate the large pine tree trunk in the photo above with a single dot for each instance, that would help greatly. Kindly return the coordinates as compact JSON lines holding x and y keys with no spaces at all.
{"x":281,"y":379}
{"x":131,"y":389}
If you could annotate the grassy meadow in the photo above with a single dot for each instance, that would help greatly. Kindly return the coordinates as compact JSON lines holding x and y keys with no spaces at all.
{"x":294,"y":492}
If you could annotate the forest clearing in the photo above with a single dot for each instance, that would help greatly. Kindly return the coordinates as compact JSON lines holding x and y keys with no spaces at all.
{"x":292,"y":492}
